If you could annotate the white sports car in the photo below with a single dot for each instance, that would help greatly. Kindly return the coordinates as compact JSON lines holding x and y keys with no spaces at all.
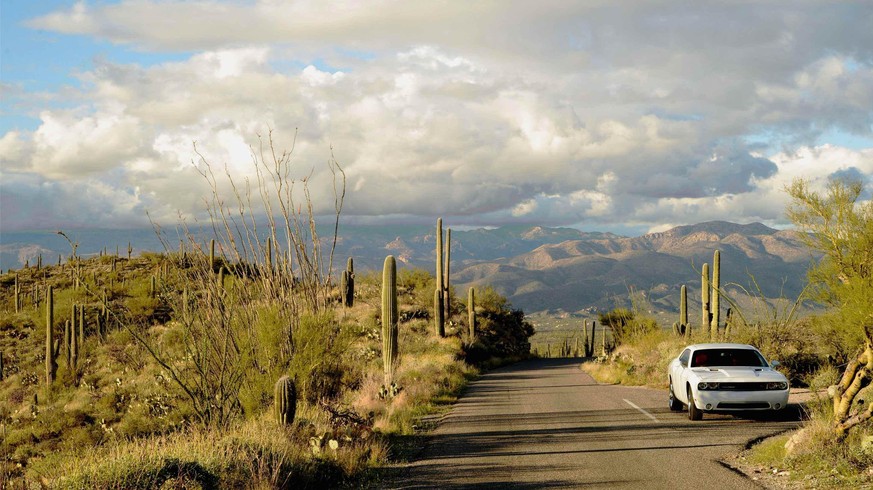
{"x":724,"y":378}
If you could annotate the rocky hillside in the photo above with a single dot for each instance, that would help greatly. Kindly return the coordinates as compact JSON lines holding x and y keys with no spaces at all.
{"x":539,"y":269}
{"x":598,"y":271}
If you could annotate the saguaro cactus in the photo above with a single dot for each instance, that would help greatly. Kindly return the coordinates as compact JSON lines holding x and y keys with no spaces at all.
{"x":347,"y":284}
{"x":439,"y":320}
{"x":67,"y":351}
{"x":74,"y":342}
{"x":51,"y":365}
{"x":716,"y":285}
{"x":17,"y":294}
{"x":684,"y":328}
{"x":471,"y":312}
{"x":447,"y":298}
{"x":593,"y":333}
{"x":439,"y":296}
{"x":284,"y":400}
{"x":389,"y":317}
{"x":704,"y":297}
{"x":81,"y":337}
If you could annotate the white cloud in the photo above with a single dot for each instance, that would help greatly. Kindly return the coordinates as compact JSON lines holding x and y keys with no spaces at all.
{"x":557,"y":112}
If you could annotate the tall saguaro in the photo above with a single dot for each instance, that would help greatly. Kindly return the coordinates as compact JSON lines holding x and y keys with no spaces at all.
{"x":447,"y":312}
{"x":471,"y":312}
{"x":51,"y":365}
{"x":439,"y":295}
{"x":683,"y":311}
{"x":704,"y":297}
{"x":389,"y":318}
{"x":716,"y":285}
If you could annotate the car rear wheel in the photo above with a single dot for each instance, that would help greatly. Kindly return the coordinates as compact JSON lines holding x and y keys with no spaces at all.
{"x":675,"y":404}
{"x":694,"y":413}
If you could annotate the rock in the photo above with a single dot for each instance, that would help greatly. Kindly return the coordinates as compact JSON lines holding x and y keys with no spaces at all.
{"x":796,"y":441}
{"x":867,"y":444}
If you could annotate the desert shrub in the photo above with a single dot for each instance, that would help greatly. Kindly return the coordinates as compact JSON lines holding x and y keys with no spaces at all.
{"x":799,"y":366}
{"x":626,"y":324}
{"x":501,"y":331}
{"x":253,"y":455}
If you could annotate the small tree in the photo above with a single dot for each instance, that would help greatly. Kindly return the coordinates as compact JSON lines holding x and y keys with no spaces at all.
{"x":840,"y":227}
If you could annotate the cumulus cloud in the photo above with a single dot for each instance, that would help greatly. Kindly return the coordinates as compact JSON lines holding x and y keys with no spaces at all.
{"x":487,"y":113}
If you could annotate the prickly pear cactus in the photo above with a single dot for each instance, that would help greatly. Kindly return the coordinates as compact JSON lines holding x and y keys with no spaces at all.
{"x":285,"y":400}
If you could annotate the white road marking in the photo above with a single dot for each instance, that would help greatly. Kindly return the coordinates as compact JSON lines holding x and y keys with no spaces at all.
{"x":647,"y":414}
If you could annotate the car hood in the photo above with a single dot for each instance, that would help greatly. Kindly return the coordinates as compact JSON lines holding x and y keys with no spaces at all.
{"x":738,"y":374}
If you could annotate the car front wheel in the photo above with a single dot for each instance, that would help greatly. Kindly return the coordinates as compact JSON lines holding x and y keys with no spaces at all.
{"x":694,"y":413}
{"x":675,"y":404}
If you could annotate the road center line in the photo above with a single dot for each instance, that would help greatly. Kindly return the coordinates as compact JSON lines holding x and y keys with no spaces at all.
{"x":647,"y":414}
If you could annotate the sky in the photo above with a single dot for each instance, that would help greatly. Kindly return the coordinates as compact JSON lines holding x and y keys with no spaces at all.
{"x":601,"y":115}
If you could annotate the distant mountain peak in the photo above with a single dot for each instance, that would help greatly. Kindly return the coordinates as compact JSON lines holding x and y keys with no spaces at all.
{"x":719,"y":228}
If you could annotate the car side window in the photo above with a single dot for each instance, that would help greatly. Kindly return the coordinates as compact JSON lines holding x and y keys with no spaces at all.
{"x":683,"y":358}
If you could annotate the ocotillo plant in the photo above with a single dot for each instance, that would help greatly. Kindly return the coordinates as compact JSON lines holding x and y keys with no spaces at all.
{"x":268,"y":256}
{"x":389,"y":317}
{"x":51,"y":365}
{"x":716,"y":284}
{"x":439,"y":301}
{"x":1,"y":366}
{"x":212,"y":254}
{"x":704,"y":297}
{"x":285,"y":400}
{"x":471,"y":312}
{"x":347,"y":284}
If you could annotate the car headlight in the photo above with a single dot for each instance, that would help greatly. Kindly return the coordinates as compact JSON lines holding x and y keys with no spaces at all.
{"x":781,"y":385}
{"x":707,"y":385}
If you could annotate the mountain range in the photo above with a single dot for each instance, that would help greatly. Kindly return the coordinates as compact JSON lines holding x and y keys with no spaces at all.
{"x":550,"y":270}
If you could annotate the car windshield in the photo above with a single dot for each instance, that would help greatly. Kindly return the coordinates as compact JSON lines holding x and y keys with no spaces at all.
{"x":727,"y":357}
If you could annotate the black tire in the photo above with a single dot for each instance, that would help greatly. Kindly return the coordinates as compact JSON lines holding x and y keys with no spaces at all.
{"x":675,"y":404}
{"x":694,"y":413}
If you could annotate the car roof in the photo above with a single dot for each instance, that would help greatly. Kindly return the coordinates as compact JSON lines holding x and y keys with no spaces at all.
{"x":721,"y":345}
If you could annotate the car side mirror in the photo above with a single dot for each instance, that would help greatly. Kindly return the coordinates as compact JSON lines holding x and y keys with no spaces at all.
{"x":775,"y":364}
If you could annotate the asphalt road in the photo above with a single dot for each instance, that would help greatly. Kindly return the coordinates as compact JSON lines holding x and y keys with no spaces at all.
{"x":547,"y":424}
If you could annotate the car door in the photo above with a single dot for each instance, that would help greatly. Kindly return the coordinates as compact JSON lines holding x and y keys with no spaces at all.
{"x":680,"y":377}
{"x":676,"y":376}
